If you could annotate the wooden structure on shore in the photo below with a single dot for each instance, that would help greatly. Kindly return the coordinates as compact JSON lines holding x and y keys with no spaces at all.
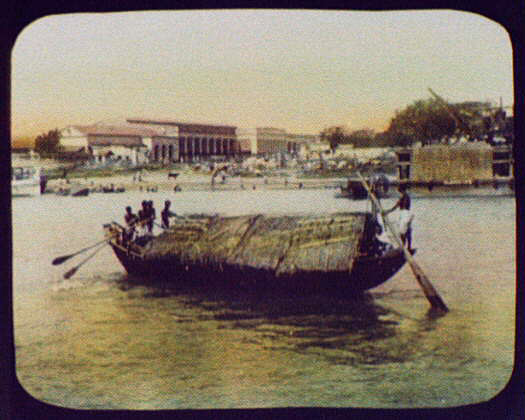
{"x":471,"y":164}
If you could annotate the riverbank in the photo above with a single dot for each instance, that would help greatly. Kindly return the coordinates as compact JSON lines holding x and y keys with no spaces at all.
{"x":160,"y":180}
{"x":187,"y":178}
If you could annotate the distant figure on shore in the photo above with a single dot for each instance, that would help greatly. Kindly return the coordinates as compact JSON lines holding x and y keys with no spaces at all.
{"x":405,"y":216}
{"x":43,"y":182}
{"x":166,"y":214}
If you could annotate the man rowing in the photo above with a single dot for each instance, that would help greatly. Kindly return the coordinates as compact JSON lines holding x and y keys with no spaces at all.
{"x":405,"y":216}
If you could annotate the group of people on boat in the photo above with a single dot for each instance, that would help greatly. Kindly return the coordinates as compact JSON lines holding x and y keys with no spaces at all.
{"x":140,"y":225}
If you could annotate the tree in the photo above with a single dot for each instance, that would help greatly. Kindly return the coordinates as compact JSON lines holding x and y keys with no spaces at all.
{"x":334,"y":136}
{"x":426,"y":121}
{"x":361,"y":138}
{"x":436,"y":121}
{"x":46,"y":144}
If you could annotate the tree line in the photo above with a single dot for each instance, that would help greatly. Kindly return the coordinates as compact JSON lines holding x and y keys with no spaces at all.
{"x":429,"y":121}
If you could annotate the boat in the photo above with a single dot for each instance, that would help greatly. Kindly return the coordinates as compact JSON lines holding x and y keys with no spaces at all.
{"x":26,"y":181}
{"x":79,"y":191}
{"x":354,"y":190}
{"x":113,"y":189}
{"x":337,"y":252}
{"x":73,"y":191}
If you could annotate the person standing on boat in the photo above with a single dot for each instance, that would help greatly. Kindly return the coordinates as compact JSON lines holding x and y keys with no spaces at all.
{"x":131,"y":220}
{"x":405,"y":216}
{"x":151,"y":215}
{"x":142,"y":218}
{"x":166,"y":214}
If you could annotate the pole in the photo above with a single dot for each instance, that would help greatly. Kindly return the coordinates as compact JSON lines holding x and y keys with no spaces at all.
{"x":431,"y":294}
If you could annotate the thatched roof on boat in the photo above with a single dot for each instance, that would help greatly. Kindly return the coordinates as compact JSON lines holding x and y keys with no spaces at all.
{"x":281,"y":244}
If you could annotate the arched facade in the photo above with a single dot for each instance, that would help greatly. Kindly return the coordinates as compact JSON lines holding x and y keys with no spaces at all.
{"x":193,"y":142}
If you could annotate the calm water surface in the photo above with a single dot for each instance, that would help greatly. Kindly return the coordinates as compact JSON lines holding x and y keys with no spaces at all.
{"x":103,"y":340}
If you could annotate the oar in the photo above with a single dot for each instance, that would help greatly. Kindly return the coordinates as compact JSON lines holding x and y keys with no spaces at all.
{"x":72,"y":271}
{"x":431,"y":294}
{"x":64,"y":258}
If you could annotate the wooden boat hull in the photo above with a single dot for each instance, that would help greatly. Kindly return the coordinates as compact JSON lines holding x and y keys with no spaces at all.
{"x":303,"y":253}
{"x":367,"y":272}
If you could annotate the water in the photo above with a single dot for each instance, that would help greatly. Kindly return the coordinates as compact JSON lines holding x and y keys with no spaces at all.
{"x":102,"y":340}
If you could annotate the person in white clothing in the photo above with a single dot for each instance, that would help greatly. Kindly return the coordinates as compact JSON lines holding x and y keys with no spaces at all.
{"x":405,"y":217}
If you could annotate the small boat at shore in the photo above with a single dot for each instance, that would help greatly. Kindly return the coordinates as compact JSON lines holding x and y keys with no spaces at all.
{"x":73,"y":191}
{"x":112,"y":189}
{"x":27,"y":181}
{"x":354,"y":189}
{"x":338,"y":252}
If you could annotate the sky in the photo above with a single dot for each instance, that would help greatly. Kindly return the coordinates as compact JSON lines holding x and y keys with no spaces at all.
{"x":298,"y":70}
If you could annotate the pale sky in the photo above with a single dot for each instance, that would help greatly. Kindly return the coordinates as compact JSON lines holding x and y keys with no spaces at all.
{"x":298,"y":70}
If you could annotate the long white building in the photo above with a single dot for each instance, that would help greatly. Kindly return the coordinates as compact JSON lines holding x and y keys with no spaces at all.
{"x":109,"y":142}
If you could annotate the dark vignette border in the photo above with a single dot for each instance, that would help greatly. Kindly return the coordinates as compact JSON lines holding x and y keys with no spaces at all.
{"x":15,"y":403}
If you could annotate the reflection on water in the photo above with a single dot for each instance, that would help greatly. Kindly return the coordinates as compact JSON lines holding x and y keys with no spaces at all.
{"x":297,"y":323}
{"x":103,"y":339}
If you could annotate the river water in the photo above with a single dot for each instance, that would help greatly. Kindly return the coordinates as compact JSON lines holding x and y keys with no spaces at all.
{"x":101,"y":340}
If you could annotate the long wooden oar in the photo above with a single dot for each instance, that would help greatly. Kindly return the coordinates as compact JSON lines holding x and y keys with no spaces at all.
{"x":72,"y":271}
{"x":64,"y":258}
{"x":431,"y":294}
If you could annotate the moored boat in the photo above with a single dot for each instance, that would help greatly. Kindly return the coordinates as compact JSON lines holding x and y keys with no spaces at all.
{"x":73,"y":190}
{"x":26,"y":181}
{"x":354,"y":189}
{"x":79,"y":191}
{"x":339,"y":251}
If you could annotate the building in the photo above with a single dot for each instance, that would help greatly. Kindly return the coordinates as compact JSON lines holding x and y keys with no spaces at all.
{"x":103,"y":143}
{"x":193,"y":141}
{"x":461,"y":164}
{"x":247,"y":138}
{"x":270,"y":141}
{"x":297,"y":142}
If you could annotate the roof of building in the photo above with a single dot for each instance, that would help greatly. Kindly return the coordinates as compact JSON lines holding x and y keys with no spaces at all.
{"x":176,"y":122}
{"x":111,"y":130}
{"x":101,"y":140}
